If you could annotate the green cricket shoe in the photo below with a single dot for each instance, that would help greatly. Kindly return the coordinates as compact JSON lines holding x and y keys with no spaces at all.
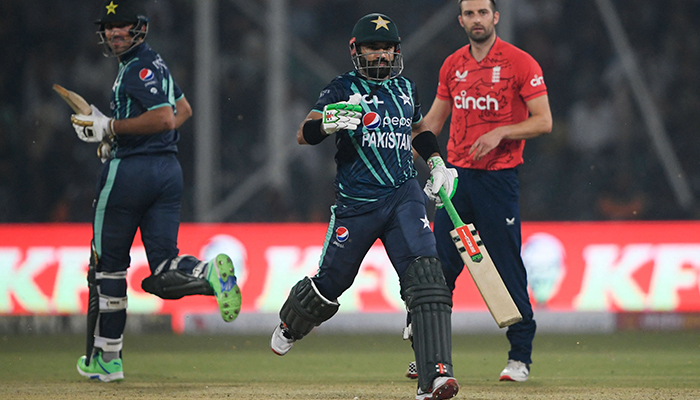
{"x":222,"y":278}
{"x":100,"y":369}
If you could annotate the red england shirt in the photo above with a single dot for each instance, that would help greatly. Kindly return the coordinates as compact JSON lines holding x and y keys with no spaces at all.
{"x":485,"y":95}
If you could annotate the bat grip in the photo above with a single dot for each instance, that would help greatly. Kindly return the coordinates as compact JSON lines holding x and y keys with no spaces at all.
{"x":450,"y":208}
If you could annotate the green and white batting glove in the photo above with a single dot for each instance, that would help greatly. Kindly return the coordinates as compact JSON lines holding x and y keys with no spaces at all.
{"x":94,"y":127}
{"x":440,"y":176}
{"x":342,"y":115}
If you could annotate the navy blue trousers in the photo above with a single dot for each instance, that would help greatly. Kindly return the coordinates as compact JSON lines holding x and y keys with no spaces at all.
{"x":399,"y":221}
{"x":489,"y":200}
{"x":137,"y":192}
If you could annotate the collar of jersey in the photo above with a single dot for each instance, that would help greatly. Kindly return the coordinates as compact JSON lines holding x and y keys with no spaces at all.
{"x":129,"y":55}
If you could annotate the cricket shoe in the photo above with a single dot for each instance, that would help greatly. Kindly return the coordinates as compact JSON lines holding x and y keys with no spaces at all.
{"x":412,"y":371}
{"x":282,"y":341}
{"x":444,"y":387}
{"x":100,"y":369}
{"x":222,"y":278}
{"x":516,"y":371}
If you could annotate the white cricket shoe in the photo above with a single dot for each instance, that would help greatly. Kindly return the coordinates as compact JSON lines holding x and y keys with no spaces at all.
{"x":412,"y":371}
{"x":516,"y":371}
{"x":282,"y":341}
{"x":444,"y":387}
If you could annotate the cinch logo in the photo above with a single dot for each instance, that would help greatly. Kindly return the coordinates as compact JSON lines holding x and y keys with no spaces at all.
{"x":537,"y":81}
{"x":146,"y":74}
{"x":342,"y":234}
{"x":475,"y":103}
{"x":371,"y":120}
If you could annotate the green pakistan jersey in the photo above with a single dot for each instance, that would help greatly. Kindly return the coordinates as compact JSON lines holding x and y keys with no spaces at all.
{"x":377,"y":157}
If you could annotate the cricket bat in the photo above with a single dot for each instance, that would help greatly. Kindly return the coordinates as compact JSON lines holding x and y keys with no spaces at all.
{"x":93,"y":310}
{"x":74,"y":100}
{"x":80,"y":106}
{"x":481,"y":267}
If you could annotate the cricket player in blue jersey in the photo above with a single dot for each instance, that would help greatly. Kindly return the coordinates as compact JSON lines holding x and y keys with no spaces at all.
{"x":140,"y":188}
{"x":376,"y":118}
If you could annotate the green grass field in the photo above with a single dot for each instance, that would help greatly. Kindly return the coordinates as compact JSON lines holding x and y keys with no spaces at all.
{"x":619,"y":366}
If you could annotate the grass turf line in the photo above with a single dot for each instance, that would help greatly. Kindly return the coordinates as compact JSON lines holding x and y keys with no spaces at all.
{"x":619,"y":366}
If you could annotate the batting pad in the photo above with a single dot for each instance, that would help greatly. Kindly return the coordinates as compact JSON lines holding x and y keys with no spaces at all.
{"x":430,"y":303}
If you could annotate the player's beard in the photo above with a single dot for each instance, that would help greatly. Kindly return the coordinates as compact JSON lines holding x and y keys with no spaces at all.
{"x":375,"y":69}
{"x":483,"y":36}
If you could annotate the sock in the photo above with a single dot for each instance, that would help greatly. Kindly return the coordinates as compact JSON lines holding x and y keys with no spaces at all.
{"x":108,"y":356}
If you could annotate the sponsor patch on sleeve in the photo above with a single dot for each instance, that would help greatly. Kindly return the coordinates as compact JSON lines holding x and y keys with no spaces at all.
{"x":146,"y":75}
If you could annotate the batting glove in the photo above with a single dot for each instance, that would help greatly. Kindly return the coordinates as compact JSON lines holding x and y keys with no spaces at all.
{"x":104,"y":150}
{"x":94,"y":127}
{"x":440,"y":176}
{"x":342,"y":115}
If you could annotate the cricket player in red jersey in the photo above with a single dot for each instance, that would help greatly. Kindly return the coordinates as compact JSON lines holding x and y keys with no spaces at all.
{"x":497,"y":97}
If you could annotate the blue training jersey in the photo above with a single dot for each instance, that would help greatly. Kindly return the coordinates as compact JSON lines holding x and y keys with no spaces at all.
{"x":376,"y":158}
{"x":143,"y":83}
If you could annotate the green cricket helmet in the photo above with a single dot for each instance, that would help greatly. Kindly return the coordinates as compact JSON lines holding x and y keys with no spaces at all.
{"x":123,"y":11}
{"x":373,"y":29}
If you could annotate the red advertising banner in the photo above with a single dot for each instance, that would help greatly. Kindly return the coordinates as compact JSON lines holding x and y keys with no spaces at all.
{"x":572,"y":266}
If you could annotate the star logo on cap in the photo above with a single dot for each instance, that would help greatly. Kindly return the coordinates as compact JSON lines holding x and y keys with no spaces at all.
{"x":112,"y":8}
{"x":381,"y":23}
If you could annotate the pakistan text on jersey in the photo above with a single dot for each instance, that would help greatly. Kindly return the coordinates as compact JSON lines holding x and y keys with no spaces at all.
{"x":387,"y":140}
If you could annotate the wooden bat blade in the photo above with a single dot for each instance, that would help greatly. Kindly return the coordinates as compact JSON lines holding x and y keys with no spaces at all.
{"x":74,"y":100}
{"x":481,"y":267}
{"x":485,"y":276}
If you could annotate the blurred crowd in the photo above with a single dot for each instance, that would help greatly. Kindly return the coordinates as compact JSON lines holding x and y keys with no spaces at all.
{"x":599,"y":162}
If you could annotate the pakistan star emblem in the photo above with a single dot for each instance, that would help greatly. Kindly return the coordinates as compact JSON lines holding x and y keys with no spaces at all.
{"x":112,"y":8}
{"x":381,"y":23}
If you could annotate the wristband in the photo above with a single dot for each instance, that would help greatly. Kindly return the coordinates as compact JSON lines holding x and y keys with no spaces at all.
{"x":312,"y":132}
{"x":111,"y":128}
{"x":426,"y":144}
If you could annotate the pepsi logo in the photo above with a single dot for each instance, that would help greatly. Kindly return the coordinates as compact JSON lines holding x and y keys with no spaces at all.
{"x":371,"y":120}
{"x":342,"y":234}
{"x":146,"y":74}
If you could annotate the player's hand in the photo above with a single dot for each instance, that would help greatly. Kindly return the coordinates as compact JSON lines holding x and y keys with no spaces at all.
{"x":342,"y":115}
{"x":104,"y":150}
{"x":94,"y":127}
{"x":485,"y":143}
{"x":440,"y":176}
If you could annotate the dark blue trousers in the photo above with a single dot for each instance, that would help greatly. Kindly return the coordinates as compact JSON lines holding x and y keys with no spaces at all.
{"x":399,"y":221}
{"x":489,"y":200}
{"x":137,"y":192}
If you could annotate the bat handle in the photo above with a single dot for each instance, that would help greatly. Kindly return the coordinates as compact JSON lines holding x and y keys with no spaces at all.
{"x":450,"y":208}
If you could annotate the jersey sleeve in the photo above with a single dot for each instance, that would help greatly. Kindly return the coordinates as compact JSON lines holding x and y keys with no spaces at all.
{"x":443,"y":90}
{"x":334,"y":92}
{"x":531,"y":78}
{"x":417,"y":112}
{"x":148,"y":86}
{"x":177,"y":91}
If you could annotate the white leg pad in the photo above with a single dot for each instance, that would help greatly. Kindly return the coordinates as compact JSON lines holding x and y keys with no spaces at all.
{"x":112,"y":304}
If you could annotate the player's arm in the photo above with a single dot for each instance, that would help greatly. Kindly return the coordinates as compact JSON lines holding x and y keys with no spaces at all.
{"x":538,"y":123}
{"x":437,"y":115}
{"x":184,"y":111}
{"x":313,"y":116}
{"x":343,"y":115}
{"x":157,"y":120}
{"x":425,"y":143}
